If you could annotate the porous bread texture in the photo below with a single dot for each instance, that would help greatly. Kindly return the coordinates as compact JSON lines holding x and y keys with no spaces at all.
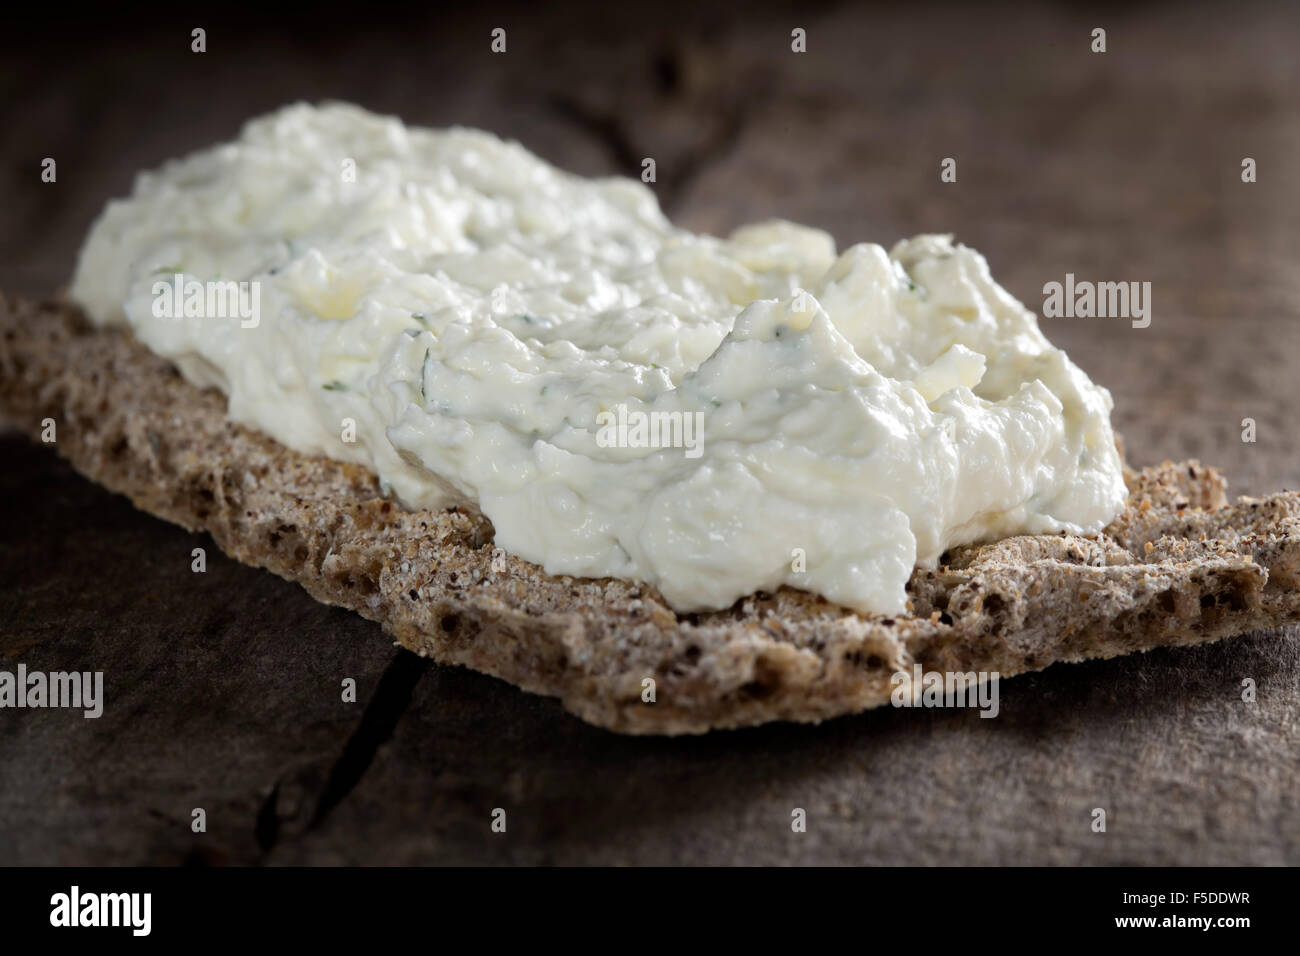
{"x":1179,"y":566}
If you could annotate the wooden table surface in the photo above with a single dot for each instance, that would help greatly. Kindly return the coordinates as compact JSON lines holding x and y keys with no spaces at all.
{"x":223,"y":689}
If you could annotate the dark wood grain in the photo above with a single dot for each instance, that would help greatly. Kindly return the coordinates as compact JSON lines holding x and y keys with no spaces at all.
{"x":224,"y":687}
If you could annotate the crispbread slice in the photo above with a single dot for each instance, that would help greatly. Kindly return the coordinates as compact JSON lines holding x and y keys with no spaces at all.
{"x":1179,"y":566}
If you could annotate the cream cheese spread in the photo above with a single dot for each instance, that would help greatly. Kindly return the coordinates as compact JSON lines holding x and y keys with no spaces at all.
{"x":619,"y":396}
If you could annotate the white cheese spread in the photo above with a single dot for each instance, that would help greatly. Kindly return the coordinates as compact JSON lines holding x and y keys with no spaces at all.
{"x":499,"y":332}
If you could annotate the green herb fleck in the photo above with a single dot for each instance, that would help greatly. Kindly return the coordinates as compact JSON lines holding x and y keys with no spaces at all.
{"x":162,"y":269}
{"x":424,"y":374}
{"x":421,"y":318}
{"x":335,"y":386}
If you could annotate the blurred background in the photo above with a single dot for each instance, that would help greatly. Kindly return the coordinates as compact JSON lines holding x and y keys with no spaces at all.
{"x":1122,"y":166}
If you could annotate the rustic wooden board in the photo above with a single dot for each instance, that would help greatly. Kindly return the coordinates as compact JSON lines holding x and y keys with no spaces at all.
{"x":224,"y":687}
